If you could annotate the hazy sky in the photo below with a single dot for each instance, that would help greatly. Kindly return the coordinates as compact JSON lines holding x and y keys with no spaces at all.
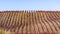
{"x":29,"y":4}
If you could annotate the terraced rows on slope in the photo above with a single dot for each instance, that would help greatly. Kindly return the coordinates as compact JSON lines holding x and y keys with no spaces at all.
{"x":38,"y":22}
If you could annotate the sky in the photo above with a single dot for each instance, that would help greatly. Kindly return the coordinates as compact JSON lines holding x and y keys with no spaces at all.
{"x":29,"y":4}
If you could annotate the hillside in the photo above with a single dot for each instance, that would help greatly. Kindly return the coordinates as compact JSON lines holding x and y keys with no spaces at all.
{"x":38,"y":22}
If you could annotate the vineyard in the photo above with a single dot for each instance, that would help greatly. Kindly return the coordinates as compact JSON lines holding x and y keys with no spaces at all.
{"x":38,"y":22}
